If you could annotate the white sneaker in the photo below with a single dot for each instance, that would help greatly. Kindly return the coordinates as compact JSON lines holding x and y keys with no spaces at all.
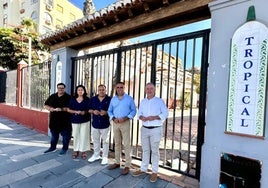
{"x":104,"y":161}
{"x":93,"y":158}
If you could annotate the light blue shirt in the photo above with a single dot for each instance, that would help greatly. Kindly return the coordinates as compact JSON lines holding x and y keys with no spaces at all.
{"x":120,"y":108}
{"x":153,"y":107}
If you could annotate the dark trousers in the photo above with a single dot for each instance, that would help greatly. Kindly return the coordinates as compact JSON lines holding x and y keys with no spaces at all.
{"x":66,"y":136}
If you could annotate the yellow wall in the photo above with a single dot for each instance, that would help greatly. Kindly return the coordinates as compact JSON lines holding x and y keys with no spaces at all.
{"x":18,"y":9}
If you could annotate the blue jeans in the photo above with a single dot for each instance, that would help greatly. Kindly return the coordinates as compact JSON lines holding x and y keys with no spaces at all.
{"x":66,"y":136}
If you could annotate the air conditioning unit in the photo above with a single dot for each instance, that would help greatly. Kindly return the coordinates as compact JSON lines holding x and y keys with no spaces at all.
{"x":49,"y":7}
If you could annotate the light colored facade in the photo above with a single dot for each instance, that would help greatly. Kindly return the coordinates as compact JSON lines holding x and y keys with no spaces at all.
{"x":49,"y":15}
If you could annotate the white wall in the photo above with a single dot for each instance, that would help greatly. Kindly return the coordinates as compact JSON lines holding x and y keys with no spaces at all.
{"x":227,"y":16}
{"x":65,"y":55}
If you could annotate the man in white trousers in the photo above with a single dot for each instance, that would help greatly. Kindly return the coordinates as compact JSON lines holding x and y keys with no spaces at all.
{"x":100,"y":130}
{"x":152,"y":112}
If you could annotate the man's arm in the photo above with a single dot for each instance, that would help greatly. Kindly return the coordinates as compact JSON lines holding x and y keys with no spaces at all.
{"x":133,"y":110}
{"x":110,"y":110}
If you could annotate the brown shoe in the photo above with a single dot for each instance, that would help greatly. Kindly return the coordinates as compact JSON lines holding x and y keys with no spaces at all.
{"x":113,"y":166}
{"x":138,"y":173}
{"x":125,"y":171}
{"x":153,"y":177}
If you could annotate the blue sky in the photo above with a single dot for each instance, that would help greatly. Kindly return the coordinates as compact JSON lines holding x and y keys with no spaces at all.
{"x":99,"y":4}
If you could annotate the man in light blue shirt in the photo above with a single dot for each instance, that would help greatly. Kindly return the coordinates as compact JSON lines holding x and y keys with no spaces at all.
{"x":152,"y":112}
{"x":121,"y":109}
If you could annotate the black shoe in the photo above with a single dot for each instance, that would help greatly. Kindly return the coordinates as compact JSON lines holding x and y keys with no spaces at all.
{"x":62,"y":152}
{"x":50,"y":150}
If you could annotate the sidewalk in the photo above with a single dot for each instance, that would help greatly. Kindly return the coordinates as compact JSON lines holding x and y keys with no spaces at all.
{"x":23,"y":165}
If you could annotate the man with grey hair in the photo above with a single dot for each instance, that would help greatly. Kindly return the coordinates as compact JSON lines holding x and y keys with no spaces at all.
{"x":152,"y":112}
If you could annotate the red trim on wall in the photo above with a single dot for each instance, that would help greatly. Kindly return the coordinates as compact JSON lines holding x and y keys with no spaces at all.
{"x":30,"y":118}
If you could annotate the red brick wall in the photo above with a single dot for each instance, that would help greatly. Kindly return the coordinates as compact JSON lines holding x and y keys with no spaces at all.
{"x":33,"y":119}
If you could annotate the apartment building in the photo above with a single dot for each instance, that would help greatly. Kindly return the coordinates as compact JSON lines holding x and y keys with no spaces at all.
{"x":49,"y":15}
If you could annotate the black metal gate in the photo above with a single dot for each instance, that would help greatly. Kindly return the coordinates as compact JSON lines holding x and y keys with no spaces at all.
{"x":178,"y":67}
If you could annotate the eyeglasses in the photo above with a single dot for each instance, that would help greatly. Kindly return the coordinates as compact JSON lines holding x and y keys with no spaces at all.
{"x":60,"y":87}
{"x":119,"y":87}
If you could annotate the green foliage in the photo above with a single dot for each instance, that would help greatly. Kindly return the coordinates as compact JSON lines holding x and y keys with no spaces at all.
{"x":14,"y":44}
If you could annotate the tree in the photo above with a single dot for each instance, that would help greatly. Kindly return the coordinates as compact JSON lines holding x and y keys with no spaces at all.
{"x":14,"y":44}
{"x":7,"y":53}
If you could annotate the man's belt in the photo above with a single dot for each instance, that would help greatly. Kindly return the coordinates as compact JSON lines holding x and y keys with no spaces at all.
{"x":151,"y":127}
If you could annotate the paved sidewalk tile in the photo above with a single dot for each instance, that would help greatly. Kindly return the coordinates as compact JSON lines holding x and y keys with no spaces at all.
{"x":34,"y":181}
{"x":124,"y":181}
{"x":11,"y":166}
{"x":98,"y":180}
{"x":28,"y":155}
{"x":90,"y":170}
{"x":66,"y":180}
{"x":11,"y":147}
{"x":12,"y":177}
{"x":146,"y":183}
{"x":23,"y":165}
{"x":38,"y":168}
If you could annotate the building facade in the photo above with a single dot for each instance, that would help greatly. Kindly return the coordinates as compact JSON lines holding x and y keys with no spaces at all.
{"x":49,"y":15}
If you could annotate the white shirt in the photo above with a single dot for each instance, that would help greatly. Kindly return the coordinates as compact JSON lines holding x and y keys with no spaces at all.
{"x":153,"y":107}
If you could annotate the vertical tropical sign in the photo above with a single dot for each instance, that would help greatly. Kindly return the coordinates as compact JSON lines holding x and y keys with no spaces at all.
{"x":58,"y":74}
{"x":247,"y":81}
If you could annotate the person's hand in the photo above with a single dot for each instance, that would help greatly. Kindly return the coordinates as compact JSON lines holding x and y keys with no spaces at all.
{"x":96,"y":112}
{"x":102,"y":112}
{"x":78,"y":112}
{"x":143,"y":118}
{"x":115,"y":120}
{"x":122,"y":120}
{"x":150,"y":118}
{"x":57,"y":109}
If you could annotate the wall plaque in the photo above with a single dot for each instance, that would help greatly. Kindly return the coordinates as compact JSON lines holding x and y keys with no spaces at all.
{"x":248,"y":79}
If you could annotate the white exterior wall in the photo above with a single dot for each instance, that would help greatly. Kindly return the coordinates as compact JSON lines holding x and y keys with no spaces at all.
{"x":65,"y":55}
{"x":227,"y":16}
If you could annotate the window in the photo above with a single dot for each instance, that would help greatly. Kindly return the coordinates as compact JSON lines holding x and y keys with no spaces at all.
{"x":72,"y":16}
{"x":5,"y":6}
{"x":60,"y":8}
{"x":47,"y":18}
{"x":59,"y":24}
{"x":22,"y":4}
{"x":5,"y":20}
{"x":34,"y":15}
{"x":22,"y":10}
{"x":49,"y":2}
